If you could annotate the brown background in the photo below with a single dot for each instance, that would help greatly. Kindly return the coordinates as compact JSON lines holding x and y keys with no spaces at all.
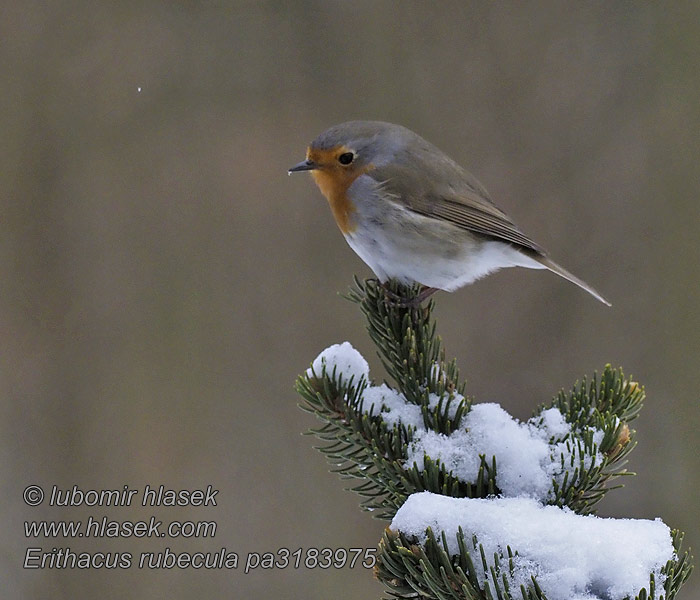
{"x":163,"y":281}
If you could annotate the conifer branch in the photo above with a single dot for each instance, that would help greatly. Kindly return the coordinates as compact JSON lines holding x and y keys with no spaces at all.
{"x":363,"y":443}
{"x":364,"y":446}
{"x":405,"y":338}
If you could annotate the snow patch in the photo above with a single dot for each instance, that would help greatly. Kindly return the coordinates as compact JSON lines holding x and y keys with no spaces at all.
{"x":346,"y":361}
{"x":573,"y":557}
{"x":527,"y":456}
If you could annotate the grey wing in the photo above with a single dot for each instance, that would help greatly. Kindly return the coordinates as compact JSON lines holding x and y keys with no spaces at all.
{"x":459,"y":199}
{"x":464,"y":212}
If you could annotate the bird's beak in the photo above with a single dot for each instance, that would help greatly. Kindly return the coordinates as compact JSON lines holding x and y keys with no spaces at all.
{"x":304,"y":165}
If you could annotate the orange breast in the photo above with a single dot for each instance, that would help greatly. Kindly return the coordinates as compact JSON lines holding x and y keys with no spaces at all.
{"x":334,"y":186}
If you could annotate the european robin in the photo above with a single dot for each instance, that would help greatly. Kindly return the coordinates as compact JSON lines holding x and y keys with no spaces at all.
{"x":412,"y":213}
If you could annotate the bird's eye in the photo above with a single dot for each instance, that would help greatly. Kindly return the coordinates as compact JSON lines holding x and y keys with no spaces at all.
{"x":346,"y":158}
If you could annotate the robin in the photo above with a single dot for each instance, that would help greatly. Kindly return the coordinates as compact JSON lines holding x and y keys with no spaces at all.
{"x":412,"y":213}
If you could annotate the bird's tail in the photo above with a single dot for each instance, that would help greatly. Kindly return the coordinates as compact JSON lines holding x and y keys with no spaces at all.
{"x":562,"y":272}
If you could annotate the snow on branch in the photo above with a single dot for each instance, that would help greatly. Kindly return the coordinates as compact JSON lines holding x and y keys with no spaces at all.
{"x":572,"y":557}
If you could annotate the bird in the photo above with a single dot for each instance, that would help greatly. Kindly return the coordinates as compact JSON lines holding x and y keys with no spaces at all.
{"x":412,"y":214}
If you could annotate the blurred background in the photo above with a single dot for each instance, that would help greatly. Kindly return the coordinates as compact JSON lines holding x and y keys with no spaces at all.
{"x":164,"y":281}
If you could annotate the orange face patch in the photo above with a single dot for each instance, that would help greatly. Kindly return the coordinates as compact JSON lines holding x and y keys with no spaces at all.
{"x":334,"y":179}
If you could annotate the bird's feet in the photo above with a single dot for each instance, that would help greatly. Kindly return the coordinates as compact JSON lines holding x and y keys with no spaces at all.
{"x":403,"y":302}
